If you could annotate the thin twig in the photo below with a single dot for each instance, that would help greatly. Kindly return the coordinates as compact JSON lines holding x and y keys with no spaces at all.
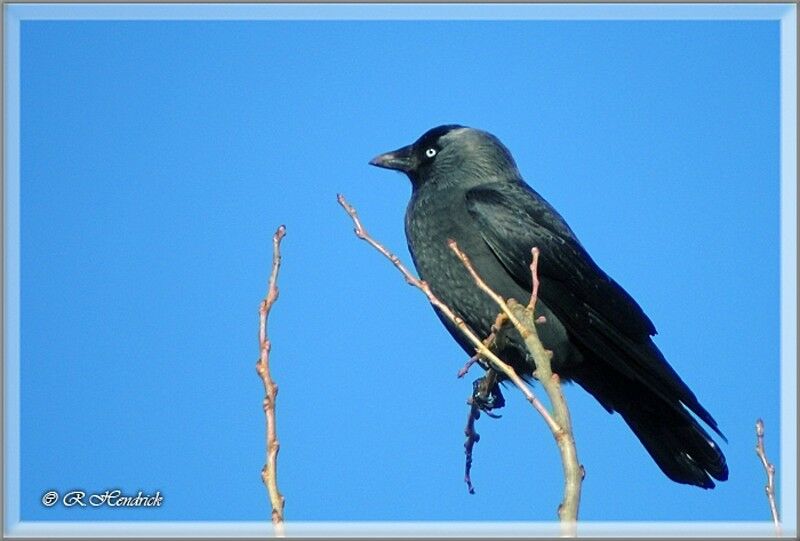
{"x":523,"y":330}
{"x":472,"y":438}
{"x":464,"y":370}
{"x":534,"y":278}
{"x":485,"y":352}
{"x":488,"y":342}
{"x":562,"y":431}
{"x":269,"y":473}
{"x":769,"y":468}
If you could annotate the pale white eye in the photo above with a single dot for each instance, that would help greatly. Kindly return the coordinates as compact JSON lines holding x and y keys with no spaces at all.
{"x":431,"y":152}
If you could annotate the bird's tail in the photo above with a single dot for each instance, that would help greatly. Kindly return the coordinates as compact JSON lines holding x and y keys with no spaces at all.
{"x":676,"y":441}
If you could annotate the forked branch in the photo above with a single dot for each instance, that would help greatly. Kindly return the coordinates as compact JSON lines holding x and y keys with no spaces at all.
{"x":523,"y":320}
{"x":480,"y":347}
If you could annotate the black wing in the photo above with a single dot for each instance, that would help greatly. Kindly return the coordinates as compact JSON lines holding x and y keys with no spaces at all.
{"x":596,"y":311}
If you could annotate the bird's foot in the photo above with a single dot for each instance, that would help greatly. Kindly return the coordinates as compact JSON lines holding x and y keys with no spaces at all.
{"x":486,"y":394}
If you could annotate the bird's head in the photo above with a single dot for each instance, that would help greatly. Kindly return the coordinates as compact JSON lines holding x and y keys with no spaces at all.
{"x":452,"y":155}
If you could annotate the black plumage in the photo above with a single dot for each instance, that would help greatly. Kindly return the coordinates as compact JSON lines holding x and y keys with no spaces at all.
{"x":466,"y":186}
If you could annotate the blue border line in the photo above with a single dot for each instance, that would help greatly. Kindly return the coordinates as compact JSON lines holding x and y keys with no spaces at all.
{"x":401,"y":11}
{"x":11,"y":262}
{"x":788,"y":398}
{"x":375,"y":529}
{"x":14,"y":14}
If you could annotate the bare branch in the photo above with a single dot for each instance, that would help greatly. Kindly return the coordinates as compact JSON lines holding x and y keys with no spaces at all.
{"x":534,"y":278}
{"x":363,"y":235}
{"x":522,"y":318}
{"x":573,"y":470}
{"x":562,"y":431}
{"x":769,"y":468}
{"x":464,"y":370}
{"x":269,"y":473}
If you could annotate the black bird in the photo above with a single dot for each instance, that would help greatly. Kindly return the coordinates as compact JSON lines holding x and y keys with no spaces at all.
{"x":466,"y":187}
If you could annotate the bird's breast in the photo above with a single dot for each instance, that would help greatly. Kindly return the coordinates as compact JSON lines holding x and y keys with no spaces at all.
{"x":430,"y":223}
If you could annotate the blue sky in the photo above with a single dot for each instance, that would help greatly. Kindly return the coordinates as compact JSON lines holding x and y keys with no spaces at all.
{"x":158,"y":157}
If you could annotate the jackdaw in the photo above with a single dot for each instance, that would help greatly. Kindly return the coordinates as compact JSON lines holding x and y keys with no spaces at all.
{"x":466,"y":187}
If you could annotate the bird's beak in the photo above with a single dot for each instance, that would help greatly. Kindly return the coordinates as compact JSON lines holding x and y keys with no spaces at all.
{"x":401,"y":159}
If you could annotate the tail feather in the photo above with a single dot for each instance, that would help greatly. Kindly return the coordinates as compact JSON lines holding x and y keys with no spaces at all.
{"x":678,"y":444}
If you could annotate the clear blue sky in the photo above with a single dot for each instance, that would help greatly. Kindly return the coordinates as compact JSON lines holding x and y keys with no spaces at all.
{"x":157,"y":159}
